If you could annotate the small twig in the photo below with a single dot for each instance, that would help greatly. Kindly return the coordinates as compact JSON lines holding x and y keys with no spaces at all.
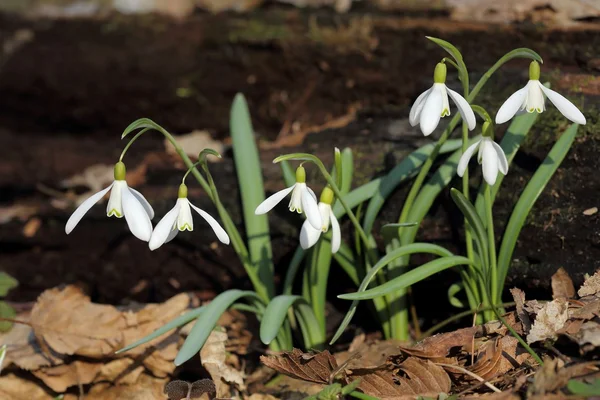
{"x":473,"y":375}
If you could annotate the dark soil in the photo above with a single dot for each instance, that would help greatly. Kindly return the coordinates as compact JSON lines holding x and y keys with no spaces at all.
{"x":66,"y":96}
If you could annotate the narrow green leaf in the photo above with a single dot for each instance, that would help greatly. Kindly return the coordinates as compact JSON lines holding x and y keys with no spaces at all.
{"x":452,"y":291}
{"x":174,"y":323}
{"x":584,"y":389}
{"x":312,"y":335}
{"x":7,"y":283}
{"x":530,"y":194}
{"x":347,"y":170}
{"x":142,"y":123}
{"x":407,"y":168}
{"x":387,"y":259}
{"x":247,"y":165}
{"x":275,"y":314}
{"x":289,"y":176}
{"x":479,"y":233}
{"x":207,"y":321}
{"x":409,"y":278}
{"x":450,"y":48}
{"x":6,"y":311}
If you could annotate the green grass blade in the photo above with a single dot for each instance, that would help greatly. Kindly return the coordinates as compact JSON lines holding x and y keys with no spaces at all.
{"x":530,"y":194}
{"x":174,"y":323}
{"x":479,"y":232}
{"x":247,"y":164}
{"x":409,"y":278}
{"x":407,"y":168}
{"x":313,"y":337}
{"x":289,"y":176}
{"x":275,"y":315}
{"x":347,"y":170}
{"x":388,"y":258}
{"x":207,"y":321}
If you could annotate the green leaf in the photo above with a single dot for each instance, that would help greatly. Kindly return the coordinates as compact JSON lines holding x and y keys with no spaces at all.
{"x":530,"y":194}
{"x":349,"y":388}
{"x":450,"y":48}
{"x":207,"y":321}
{"x":311,"y":333}
{"x":274,"y":316}
{"x":6,"y":311}
{"x":7,"y":283}
{"x":583,"y":389}
{"x":174,"y":323}
{"x":247,"y":165}
{"x":289,"y":176}
{"x":479,"y":233}
{"x":409,"y":278}
{"x":452,"y":291}
{"x":387,"y":259}
{"x":347,"y":170}
{"x":399,"y":174}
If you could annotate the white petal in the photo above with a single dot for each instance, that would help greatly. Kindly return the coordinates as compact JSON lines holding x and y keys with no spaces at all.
{"x":311,"y":209}
{"x":511,"y":106}
{"x":136,"y":216}
{"x":415,"y":110}
{"x":489,"y":162}
{"x":324,"y":212}
{"x":312,"y":193}
{"x":272,"y":201}
{"x":308,"y":235}
{"x":84,"y":208}
{"x":172,"y":234}
{"x":336,"y":235}
{"x":164,"y":229}
{"x":219,"y":231}
{"x":464,"y":108}
{"x":432,"y":110}
{"x":184,"y":219}
{"x":463,"y":163}
{"x":502,"y":161}
{"x":142,"y":199}
{"x":535,"y":101}
{"x":563,"y":105}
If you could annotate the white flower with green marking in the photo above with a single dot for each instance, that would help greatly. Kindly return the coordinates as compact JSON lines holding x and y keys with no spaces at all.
{"x":531,"y":99}
{"x":303,"y":200}
{"x":180,"y":219}
{"x":490,"y":156}
{"x":309,"y":235}
{"x":123,"y":202}
{"x":433,"y":104}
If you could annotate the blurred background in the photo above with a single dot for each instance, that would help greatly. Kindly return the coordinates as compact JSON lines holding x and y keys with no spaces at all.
{"x":316,"y":73}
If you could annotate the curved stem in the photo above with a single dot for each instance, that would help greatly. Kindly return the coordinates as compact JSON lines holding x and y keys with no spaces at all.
{"x":189,"y":170}
{"x":492,"y":245}
{"x":133,"y":139}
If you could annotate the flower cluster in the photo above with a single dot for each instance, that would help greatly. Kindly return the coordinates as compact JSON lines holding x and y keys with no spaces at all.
{"x":127,"y":202}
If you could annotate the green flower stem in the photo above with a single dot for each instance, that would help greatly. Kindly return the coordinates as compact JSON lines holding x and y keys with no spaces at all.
{"x":494,"y":298}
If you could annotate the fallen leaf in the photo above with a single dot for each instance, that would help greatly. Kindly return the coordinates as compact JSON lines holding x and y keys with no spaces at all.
{"x":212,"y":356}
{"x":61,"y":377}
{"x":16,"y":388}
{"x":314,"y":367}
{"x":562,"y":285}
{"x":193,"y":143}
{"x":178,"y":390}
{"x":551,"y":318}
{"x":589,"y":310}
{"x":519,"y":297}
{"x":413,"y":377}
{"x":368,"y":355}
{"x":588,"y":336}
{"x":25,"y":351}
{"x":554,"y":375}
{"x":439,"y":347}
{"x":591,"y":285}
{"x":146,"y":388}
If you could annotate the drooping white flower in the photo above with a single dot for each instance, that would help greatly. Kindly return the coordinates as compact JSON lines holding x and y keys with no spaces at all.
{"x":303,"y":200}
{"x":123,"y":202}
{"x":531,"y":99}
{"x":309,"y":235}
{"x":2,"y":355}
{"x":490,"y":156}
{"x":179,"y":218}
{"x":433,"y":104}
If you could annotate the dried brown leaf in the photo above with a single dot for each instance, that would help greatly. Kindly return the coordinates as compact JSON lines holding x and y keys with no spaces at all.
{"x":178,"y":390}
{"x":147,"y":387}
{"x":314,"y":367}
{"x":61,"y":377}
{"x":444,"y":345}
{"x":213,"y":355}
{"x":562,"y":285}
{"x":550,"y":319}
{"x":591,"y":285}
{"x":411,"y":378}
{"x":368,"y":355}
{"x":519,"y":297}
{"x":588,"y":336}
{"x":24,"y":349}
{"x":16,"y":388}
{"x":589,"y":310}
{"x":554,"y":375}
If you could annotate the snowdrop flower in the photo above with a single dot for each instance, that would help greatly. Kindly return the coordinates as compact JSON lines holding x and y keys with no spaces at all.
{"x":180,"y":219}
{"x":2,"y":355}
{"x":309,"y":235}
{"x":123,"y":202}
{"x":303,"y":200}
{"x":433,"y":104}
{"x":490,"y":155}
{"x":531,"y":98}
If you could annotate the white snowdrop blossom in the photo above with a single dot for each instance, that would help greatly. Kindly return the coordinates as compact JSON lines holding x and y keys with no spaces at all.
{"x":123,"y":202}
{"x":490,"y":156}
{"x":433,"y":104}
{"x":309,"y":235}
{"x":179,"y":218}
{"x":2,"y":355}
{"x":531,"y":98}
{"x":303,"y":200}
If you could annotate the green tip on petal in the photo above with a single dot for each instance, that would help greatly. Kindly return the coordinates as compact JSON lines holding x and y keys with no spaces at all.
{"x":534,"y":71}
{"x":439,"y":75}
{"x":327,"y":196}
{"x":300,"y":174}
{"x":120,"y":171}
{"x":182,"y":193}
